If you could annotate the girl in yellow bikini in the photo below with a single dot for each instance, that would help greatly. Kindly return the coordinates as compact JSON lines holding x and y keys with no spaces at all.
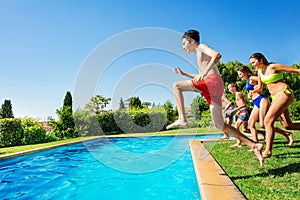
{"x":260,"y":108}
{"x":271,"y":75}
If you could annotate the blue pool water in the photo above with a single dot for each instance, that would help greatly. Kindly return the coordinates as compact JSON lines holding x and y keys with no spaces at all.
{"x":124,"y":168}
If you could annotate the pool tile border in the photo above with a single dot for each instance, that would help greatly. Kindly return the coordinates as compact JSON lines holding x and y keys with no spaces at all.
{"x":212,"y":180}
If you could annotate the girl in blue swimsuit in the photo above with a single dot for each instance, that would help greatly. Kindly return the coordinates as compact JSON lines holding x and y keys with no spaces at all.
{"x":261,"y":105}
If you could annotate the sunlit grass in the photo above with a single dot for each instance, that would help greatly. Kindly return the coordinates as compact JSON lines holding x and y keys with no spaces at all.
{"x":279,"y":179}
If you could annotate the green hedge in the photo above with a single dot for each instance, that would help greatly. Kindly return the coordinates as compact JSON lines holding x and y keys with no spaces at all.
{"x":108,"y":124}
{"x":140,"y":121}
{"x":16,"y":131}
{"x":120,"y":121}
{"x":11,"y":132}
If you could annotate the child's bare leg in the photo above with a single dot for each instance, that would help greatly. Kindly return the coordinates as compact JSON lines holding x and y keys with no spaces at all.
{"x":286,"y":134}
{"x":178,"y":88}
{"x":216,"y":112}
{"x":238,"y":142}
{"x":256,"y":147}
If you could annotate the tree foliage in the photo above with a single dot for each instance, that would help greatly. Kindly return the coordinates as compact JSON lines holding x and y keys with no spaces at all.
{"x":6,"y":110}
{"x":135,"y":103}
{"x":97,"y":103}
{"x":293,"y":81}
{"x":65,"y":126}
{"x":122,"y":104}
{"x":198,"y":106}
{"x":171,"y":113}
{"x":68,"y":100}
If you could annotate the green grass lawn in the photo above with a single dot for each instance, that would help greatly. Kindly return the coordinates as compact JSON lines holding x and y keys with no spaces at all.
{"x":280,"y":177}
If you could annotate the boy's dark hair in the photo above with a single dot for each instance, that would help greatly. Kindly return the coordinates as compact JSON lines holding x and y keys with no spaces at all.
{"x":192,"y":34}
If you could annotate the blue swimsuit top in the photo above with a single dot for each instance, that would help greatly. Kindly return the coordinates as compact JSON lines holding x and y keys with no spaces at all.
{"x":258,"y":99}
{"x":249,"y":86}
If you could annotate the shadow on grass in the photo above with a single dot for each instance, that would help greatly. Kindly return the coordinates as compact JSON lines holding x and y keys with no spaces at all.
{"x":296,"y":143}
{"x":288,"y":155}
{"x":279,"y":172}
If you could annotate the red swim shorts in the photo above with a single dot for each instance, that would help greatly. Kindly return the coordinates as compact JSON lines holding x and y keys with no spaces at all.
{"x":212,"y":88}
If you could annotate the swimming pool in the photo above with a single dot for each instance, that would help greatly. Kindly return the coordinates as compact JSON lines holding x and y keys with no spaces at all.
{"x":83,"y":171}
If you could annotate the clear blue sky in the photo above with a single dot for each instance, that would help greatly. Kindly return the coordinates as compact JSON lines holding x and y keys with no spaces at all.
{"x":43,"y":44}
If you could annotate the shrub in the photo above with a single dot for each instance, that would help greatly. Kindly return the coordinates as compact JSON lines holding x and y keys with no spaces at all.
{"x":107,"y":123}
{"x":141,"y":120}
{"x":33,"y":132}
{"x":120,"y":121}
{"x":11,"y":132}
{"x":50,"y":137}
{"x":206,"y":120}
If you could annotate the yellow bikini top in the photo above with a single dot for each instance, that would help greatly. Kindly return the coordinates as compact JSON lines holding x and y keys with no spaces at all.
{"x":266,"y":79}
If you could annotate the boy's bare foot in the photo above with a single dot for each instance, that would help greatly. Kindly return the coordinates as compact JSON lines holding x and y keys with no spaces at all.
{"x":257,"y":150}
{"x":177,"y":123}
{"x":236,"y":145}
{"x":290,"y":139}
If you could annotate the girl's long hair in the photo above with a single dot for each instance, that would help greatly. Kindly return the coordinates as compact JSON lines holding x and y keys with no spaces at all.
{"x":246,"y":70}
{"x":260,"y":57}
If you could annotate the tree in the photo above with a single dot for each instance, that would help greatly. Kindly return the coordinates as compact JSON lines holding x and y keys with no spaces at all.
{"x":65,"y":126}
{"x":198,"y":106}
{"x":6,"y":110}
{"x":146,"y":104}
{"x":68,"y":100}
{"x":97,"y":103}
{"x":228,"y":72}
{"x":121,"y":104}
{"x":135,"y":103}
{"x":171,"y":113}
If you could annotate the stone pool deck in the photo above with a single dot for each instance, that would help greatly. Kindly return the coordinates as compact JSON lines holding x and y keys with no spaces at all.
{"x":214,"y":184}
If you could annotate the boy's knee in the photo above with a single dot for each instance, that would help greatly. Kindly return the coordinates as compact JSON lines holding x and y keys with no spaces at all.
{"x":176,"y":86}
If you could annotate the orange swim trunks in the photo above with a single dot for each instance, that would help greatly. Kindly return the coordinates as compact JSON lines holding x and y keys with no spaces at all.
{"x":212,"y":88}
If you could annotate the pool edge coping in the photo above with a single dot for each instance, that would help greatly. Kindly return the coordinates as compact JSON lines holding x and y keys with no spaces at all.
{"x":213,"y":182}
